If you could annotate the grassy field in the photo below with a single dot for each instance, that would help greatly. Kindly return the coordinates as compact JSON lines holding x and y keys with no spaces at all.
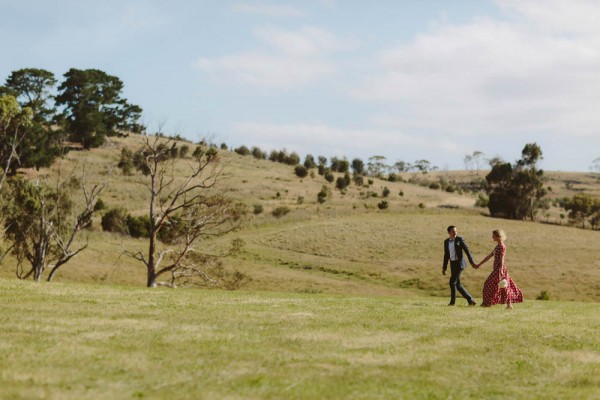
{"x":85,"y":341}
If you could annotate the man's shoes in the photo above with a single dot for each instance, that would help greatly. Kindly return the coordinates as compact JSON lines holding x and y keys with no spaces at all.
{"x":472,"y":304}
{"x":451,"y":304}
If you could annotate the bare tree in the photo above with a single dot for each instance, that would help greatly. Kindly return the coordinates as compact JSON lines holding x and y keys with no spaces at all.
{"x":182,"y":209}
{"x":595,"y":165}
{"x":42,"y":222}
{"x":477,"y":157}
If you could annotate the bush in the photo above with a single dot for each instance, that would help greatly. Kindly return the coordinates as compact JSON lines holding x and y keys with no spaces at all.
{"x":100,"y":205}
{"x":301,"y":171}
{"x":451,"y":189}
{"x":482,"y":201}
{"x":322,"y":195}
{"x":382,"y":205}
{"x":258,"y":209}
{"x":242,"y":150}
{"x":340,"y":183}
{"x":329,"y":176}
{"x":280,"y":211}
{"x":138,"y":226}
{"x":358,"y":180}
{"x":386,"y":192}
{"x":184,"y":151}
{"x":115,"y":220}
{"x":434,"y":186}
{"x":544,"y":295}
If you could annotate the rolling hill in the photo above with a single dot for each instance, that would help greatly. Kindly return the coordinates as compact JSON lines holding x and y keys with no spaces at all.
{"x":347,"y":244}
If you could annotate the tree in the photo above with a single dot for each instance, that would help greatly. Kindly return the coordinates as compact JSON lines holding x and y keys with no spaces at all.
{"x":477,"y":158}
{"x":468,"y":160}
{"x":515,"y":191}
{"x":93,"y":107}
{"x":358,"y":166}
{"x":42,"y":142}
{"x":43,"y":221}
{"x":376,"y":165}
{"x":13,"y":122}
{"x":424,"y":166}
{"x":190,"y":207}
{"x":595,"y":165}
{"x":580,"y":207}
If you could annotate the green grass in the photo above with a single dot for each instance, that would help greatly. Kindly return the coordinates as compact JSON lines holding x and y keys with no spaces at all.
{"x":77,"y":341}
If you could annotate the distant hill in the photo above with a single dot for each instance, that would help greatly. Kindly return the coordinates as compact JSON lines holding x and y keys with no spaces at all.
{"x":348,"y":244}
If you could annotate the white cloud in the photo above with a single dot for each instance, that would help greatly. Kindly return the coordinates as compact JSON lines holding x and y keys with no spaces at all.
{"x":338,"y":141}
{"x":264,"y":70}
{"x":268,"y":9}
{"x":492,"y":77}
{"x":308,"y":41}
{"x":291,"y":59}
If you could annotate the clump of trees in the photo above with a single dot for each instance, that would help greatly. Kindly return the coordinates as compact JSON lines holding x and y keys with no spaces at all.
{"x":515,"y":190}
{"x":86,"y":108}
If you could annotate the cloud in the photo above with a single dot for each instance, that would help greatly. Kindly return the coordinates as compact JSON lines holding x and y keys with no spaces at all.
{"x":266,"y":71}
{"x":291,"y":59}
{"x":268,"y":9}
{"x":517,"y":76}
{"x":339,"y":141}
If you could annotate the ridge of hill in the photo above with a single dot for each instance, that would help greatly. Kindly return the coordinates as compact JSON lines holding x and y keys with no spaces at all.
{"x":348,"y":245}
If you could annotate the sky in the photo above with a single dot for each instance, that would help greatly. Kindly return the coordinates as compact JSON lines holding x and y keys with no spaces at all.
{"x":406,"y":80}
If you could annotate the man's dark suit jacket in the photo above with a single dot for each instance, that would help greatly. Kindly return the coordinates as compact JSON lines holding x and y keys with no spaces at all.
{"x":459,"y":246}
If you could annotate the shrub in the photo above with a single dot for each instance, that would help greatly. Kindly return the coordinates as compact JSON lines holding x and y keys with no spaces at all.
{"x":451,"y":189}
{"x":115,"y":220}
{"x":544,"y":295}
{"x":322,"y":195}
{"x":386,"y":192}
{"x":301,"y":171}
{"x":329,"y":176}
{"x":300,"y":200}
{"x":434,"y":186}
{"x":421,"y":205}
{"x":242,"y":150}
{"x":100,"y":205}
{"x":280,"y":211}
{"x":401,"y":194}
{"x":138,"y":226}
{"x":340,"y":183}
{"x":382,"y":205}
{"x":482,"y":201}
{"x":358,"y":180}
{"x":184,"y":151}
{"x":258,"y":209}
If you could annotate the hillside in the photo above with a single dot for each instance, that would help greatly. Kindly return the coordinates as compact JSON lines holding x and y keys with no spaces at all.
{"x":348,"y":245}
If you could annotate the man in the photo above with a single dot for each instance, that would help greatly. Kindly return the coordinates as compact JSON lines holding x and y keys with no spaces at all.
{"x":454,"y":247}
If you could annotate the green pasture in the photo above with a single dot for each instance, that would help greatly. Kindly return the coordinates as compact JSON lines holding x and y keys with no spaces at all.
{"x":89,"y":341}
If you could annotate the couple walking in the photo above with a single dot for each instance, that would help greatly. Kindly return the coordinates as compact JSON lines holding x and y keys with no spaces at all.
{"x":494,"y":291}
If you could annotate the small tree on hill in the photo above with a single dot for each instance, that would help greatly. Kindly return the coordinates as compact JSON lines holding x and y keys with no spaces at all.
{"x":515,"y":191}
{"x":43,"y":221}
{"x":190,"y":208}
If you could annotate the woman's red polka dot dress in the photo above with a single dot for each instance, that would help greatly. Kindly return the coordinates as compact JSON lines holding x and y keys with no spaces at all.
{"x":492,"y":294}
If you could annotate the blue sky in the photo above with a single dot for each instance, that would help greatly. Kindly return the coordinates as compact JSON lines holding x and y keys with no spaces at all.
{"x":406,"y":80}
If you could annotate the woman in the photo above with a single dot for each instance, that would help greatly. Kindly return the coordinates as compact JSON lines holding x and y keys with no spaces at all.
{"x":492,"y":294}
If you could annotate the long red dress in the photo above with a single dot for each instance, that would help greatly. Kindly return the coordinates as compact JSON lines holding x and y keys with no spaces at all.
{"x":492,"y":294}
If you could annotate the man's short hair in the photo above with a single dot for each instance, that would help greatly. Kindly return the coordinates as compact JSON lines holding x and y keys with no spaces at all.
{"x":450,"y":228}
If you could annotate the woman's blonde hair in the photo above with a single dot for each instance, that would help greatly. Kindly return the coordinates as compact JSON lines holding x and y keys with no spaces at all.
{"x":499,"y":233}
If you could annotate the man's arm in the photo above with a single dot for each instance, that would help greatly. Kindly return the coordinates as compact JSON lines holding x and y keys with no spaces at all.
{"x":446,"y":257}
{"x":466,"y":249}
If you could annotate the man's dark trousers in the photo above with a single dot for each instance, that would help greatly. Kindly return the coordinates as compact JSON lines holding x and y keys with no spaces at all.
{"x":456,"y":270}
